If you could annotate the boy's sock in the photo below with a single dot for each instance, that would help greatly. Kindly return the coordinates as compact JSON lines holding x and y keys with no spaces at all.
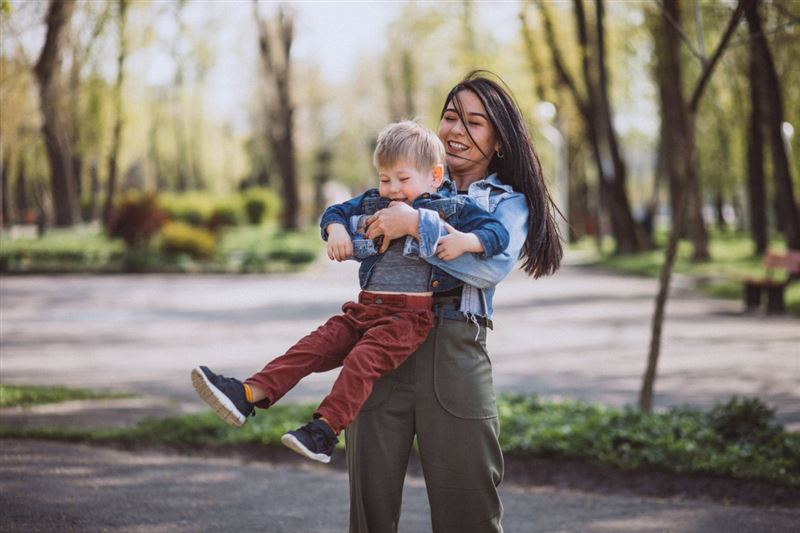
{"x":248,"y":393}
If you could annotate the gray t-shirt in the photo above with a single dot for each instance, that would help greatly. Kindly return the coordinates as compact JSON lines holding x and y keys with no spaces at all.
{"x":396,"y":273}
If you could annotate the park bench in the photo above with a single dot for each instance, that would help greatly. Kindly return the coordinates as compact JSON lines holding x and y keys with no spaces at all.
{"x":788,"y":265}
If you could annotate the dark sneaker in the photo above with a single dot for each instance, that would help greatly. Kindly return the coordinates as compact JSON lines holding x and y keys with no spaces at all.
{"x":315,"y":440}
{"x":224,"y":395}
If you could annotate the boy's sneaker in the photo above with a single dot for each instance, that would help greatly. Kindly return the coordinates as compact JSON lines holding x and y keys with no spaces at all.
{"x":315,"y":440}
{"x":224,"y":395}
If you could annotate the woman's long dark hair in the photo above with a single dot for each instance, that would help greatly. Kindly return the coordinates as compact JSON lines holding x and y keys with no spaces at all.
{"x":519,"y":167}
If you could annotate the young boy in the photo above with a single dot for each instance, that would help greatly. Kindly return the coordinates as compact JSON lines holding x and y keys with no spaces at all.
{"x":393,"y":315}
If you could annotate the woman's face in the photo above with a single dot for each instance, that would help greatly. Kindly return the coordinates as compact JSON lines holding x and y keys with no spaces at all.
{"x":469,"y":146}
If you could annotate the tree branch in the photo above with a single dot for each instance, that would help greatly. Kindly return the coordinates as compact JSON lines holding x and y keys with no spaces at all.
{"x":558,"y":61}
{"x":681,"y":34}
{"x":709,"y":69}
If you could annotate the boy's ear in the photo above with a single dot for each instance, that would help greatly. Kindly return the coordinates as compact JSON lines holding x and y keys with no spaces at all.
{"x":438,"y":175}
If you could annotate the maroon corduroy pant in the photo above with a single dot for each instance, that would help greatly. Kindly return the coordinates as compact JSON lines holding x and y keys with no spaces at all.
{"x":371,"y":337}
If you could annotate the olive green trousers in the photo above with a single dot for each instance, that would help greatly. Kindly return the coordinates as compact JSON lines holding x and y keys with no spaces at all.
{"x":444,"y":395}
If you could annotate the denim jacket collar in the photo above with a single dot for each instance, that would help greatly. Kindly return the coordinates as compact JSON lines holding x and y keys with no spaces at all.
{"x":449,"y":186}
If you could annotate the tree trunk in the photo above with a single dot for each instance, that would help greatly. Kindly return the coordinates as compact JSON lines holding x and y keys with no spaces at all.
{"x":630,"y":238}
{"x":595,"y":111}
{"x":21,"y":191}
{"x":321,"y":177}
{"x":113,"y":156}
{"x":280,"y":114}
{"x":649,"y":378}
{"x":5,"y":205}
{"x":757,"y":196}
{"x":678,"y":142}
{"x":773,"y":108}
{"x":59,"y":154}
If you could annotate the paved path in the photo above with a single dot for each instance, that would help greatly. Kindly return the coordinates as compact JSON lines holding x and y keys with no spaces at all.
{"x":582,"y":333}
{"x":58,"y":487}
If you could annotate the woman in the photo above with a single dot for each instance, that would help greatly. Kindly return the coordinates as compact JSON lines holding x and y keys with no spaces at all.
{"x":443,"y":394}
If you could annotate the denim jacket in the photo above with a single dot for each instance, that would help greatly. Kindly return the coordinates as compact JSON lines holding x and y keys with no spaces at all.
{"x":481,"y":274}
{"x":461,"y":212}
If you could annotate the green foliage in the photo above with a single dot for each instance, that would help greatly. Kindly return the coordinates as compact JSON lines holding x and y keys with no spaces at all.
{"x":26,"y":395}
{"x":732,"y":260}
{"x":679,"y":439}
{"x":60,"y":250}
{"x":179,"y":238}
{"x":224,"y":214}
{"x":237,"y":249}
{"x":261,"y":205}
{"x":260,"y":249}
{"x":738,"y":438}
{"x":137,"y":217}
{"x":191,"y":208}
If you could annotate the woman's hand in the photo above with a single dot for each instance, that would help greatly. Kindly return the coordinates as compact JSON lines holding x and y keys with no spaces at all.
{"x":395,"y":221}
{"x":457,"y":243}
{"x":340,"y":245}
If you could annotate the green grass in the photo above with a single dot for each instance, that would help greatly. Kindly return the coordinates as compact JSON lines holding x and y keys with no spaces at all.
{"x":261,"y":248}
{"x":732,"y":260}
{"x":738,"y":439}
{"x":26,"y":395}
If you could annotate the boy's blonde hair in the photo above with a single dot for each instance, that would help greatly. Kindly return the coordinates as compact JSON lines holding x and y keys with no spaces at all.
{"x":408,"y":142}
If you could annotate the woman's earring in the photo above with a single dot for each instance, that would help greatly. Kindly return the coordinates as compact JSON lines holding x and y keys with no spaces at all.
{"x":500,"y":154}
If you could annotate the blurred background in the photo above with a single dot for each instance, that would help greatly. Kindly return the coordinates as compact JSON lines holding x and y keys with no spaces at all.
{"x":174,"y":127}
{"x":207,"y":136}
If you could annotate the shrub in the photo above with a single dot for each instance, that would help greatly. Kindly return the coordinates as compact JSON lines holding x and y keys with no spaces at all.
{"x":223,"y":214}
{"x":261,"y":204}
{"x":194,"y":209}
{"x":744,"y":419}
{"x":136,"y":218}
{"x":181,"y":238}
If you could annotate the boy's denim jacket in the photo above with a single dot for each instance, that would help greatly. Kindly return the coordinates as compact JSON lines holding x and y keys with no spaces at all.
{"x":461,"y":212}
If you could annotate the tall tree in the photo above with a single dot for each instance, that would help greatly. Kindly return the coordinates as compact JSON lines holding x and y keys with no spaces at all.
{"x":116,"y":141}
{"x":772,"y":101}
{"x":756,"y":188}
{"x":81,"y":50}
{"x":275,"y":43}
{"x":678,"y":148}
{"x":59,"y":154}
{"x":5,"y":209}
{"x":595,"y":110}
{"x":688,"y":177}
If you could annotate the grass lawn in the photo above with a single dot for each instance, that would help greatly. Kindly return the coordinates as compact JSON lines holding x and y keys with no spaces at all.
{"x":732,"y":260}
{"x":239,"y":249}
{"x":738,"y":439}
{"x":27,"y":395}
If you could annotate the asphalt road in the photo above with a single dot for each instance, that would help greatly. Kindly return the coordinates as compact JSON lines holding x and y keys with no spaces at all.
{"x":59,"y":487}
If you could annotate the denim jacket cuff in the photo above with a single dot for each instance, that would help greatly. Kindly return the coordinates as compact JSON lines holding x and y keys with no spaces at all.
{"x":430,"y":229}
{"x":327,"y":220}
{"x":489,"y":242}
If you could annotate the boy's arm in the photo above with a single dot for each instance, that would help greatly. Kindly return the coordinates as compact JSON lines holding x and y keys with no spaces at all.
{"x":491,"y":234}
{"x":340,"y":214}
{"x":473,"y":269}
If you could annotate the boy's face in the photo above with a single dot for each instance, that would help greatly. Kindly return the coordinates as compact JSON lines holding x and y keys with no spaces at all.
{"x":403,"y":182}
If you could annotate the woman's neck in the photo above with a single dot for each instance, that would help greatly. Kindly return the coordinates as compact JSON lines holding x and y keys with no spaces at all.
{"x":465,"y":179}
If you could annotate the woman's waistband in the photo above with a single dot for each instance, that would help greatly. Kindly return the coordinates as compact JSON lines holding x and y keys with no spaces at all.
{"x":409,"y":301}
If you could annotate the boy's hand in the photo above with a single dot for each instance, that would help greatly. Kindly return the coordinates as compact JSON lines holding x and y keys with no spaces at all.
{"x":340,"y":245}
{"x":397,"y":220}
{"x":457,"y":243}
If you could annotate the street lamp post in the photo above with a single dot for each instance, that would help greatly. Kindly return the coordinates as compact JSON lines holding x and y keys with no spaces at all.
{"x":545,"y":114}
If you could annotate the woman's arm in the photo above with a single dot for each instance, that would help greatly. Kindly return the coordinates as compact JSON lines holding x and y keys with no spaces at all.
{"x":473,"y":269}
